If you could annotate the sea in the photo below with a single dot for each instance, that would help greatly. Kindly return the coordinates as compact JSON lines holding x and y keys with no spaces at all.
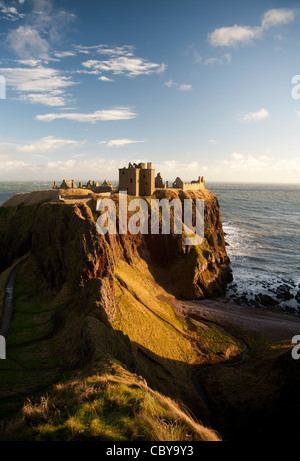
{"x":262,"y":232}
{"x":262,"y":229}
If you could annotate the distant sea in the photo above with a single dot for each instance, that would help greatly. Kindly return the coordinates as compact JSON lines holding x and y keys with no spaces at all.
{"x":262,"y":227}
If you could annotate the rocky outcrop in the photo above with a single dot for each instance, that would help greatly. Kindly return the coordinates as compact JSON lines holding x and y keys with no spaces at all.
{"x":67,"y":246}
{"x":195,"y":271}
{"x":68,"y":249}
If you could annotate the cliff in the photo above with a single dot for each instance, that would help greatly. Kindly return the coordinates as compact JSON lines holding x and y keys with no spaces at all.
{"x":69,"y":240}
{"x":104,"y":304}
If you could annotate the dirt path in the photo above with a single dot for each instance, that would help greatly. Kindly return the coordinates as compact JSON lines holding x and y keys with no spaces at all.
{"x":8,"y":300}
{"x":240,"y":319}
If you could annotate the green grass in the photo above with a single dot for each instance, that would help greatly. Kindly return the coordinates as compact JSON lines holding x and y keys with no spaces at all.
{"x":32,"y":319}
{"x":34,"y":357}
{"x":116,"y":405}
{"x":215,"y":342}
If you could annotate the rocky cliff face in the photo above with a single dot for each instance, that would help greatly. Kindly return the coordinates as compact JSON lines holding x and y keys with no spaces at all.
{"x":65,"y":242}
{"x":194,"y":272}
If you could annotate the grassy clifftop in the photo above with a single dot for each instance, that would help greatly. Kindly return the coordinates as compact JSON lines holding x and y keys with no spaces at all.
{"x":95,"y":315}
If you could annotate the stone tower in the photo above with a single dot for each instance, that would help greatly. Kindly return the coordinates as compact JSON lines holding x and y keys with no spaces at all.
{"x":147,"y":179}
{"x":137,"y":179}
{"x":129,"y":180}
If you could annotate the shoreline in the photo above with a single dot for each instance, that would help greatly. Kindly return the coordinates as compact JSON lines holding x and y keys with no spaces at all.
{"x":277,"y":326}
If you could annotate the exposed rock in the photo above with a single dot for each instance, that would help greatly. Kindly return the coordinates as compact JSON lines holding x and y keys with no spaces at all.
{"x":266,"y":300}
{"x":283,"y":293}
{"x":64,"y":240}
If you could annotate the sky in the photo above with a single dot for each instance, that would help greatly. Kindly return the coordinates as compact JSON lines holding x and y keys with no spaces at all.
{"x":198,"y":88}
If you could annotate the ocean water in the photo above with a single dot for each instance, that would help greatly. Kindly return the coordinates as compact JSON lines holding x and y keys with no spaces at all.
{"x":9,"y":188}
{"x":262,"y":227}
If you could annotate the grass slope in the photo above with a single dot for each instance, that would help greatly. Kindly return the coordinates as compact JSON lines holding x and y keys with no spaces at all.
{"x":133,"y":377}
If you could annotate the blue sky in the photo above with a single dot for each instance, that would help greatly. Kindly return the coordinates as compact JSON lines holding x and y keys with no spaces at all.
{"x":196,"y":87}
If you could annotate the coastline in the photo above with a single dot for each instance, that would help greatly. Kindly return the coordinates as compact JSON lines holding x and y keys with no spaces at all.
{"x":275,"y":325}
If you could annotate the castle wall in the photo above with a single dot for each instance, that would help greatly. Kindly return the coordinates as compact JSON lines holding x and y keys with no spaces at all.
{"x":194,"y":185}
{"x":159,"y":184}
{"x":147,"y":181}
{"x":177,"y":184}
{"x":129,"y":180}
{"x":191,"y":186}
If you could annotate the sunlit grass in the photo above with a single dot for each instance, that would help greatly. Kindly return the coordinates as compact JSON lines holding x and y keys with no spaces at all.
{"x":108,"y":407}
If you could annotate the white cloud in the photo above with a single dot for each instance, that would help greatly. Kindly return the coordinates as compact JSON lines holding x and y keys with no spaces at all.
{"x":122,"y":113}
{"x":246,"y":162}
{"x":30,"y":62}
{"x":64,"y":54}
{"x":178,"y":86}
{"x":45,"y":25}
{"x":212,"y":141}
{"x":40,"y":84}
{"x":130,"y":66}
{"x":48,"y":99}
{"x":10,"y":163}
{"x":35,"y":79}
{"x":99,"y":168}
{"x":26,"y":41}
{"x":120,"y":142}
{"x":255,"y":116}
{"x":95,"y":168}
{"x":105,"y":79}
{"x":184,"y":87}
{"x":48,"y":144}
{"x":237,"y":156}
{"x":10,"y":12}
{"x":50,"y":20}
{"x":260,"y":164}
{"x":212,"y":61}
{"x":277,"y":17}
{"x":244,"y":35}
{"x":125,"y":50}
{"x":169,"y":83}
{"x":188,"y":171}
{"x":226,"y":59}
{"x":231,"y":36}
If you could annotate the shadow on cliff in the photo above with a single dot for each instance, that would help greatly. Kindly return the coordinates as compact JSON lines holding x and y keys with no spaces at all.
{"x":267,"y":411}
{"x":184,"y":271}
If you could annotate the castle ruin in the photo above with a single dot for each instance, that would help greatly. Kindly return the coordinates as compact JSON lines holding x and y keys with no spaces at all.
{"x":194,"y":185}
{"x":136,"y":180}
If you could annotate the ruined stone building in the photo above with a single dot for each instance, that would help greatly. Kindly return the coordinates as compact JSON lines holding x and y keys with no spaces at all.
{"x":137,"y":179}
{"x":159,"y":183}
{"x":106,"y":186}
{"x":93,"y":186}
{"x":194,"y":185}
{"x":69,"y":184}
